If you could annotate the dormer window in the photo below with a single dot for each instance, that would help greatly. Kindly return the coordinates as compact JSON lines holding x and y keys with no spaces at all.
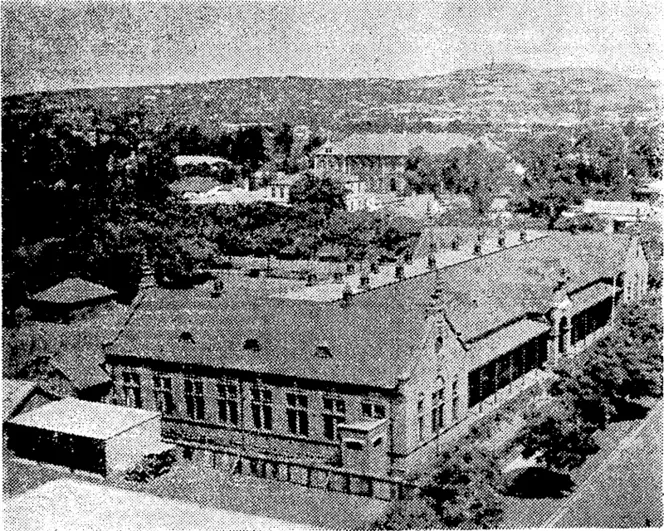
{"x":252,"y":344}
{"x":438,"y":346}
{"x":187,"y":336}
{"x":323,"y":351}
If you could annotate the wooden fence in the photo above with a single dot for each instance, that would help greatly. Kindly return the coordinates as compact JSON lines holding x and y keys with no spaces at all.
{"x":315,"y":476}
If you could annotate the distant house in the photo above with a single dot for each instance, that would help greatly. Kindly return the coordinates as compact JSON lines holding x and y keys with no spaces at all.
{"x":19,"y":396}
{"x":380,"y":159}
{"x":89,"y":436}
{"x":653,"y":193}
{"x":278,"y":189}
{"x":69,"y":298}
{"x":620,"y":214}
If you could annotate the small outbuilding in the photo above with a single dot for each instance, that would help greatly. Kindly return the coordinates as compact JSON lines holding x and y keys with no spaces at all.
{"x":68,"y":298}
{"x":90,"y":436}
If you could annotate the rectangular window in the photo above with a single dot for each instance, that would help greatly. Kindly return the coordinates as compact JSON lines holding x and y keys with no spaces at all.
{"x":227,"y":402}
{"x":455,"y":399}
{"x":517,"y":363}
{"x":163,"y":394}
{"x":194,"y":398}
{"x":371,"y":410}
{"x":474,"y":392}
{"x":420,"y":419}
{"x":438,"y":408}
{"x":334,"y":413}
{"x":131,"y":388}
{"x":503,"y":370}
{"x":261,"y":408}
{"x":297,"y":414}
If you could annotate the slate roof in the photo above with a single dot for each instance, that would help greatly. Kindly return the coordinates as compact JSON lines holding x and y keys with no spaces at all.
{"x":485,"y":293}
{"x":73,"y":290}
{"x":507,"y":338}
{"x":85,"y":419}
{"x":372,"y":340}
{"x":394,"y":144}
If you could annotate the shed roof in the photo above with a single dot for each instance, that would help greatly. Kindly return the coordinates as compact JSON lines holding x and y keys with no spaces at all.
{"x":84,"y":419}
{"x":73,"y":290}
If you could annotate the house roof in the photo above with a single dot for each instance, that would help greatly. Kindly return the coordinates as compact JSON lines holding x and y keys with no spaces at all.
{"x":75,"y":348}
{"x":284,"y":179}
{"x":371,"y":341}
{"x":394,"y":144}
{"x":483,"y":294}
{"x":95,"y":420}
{"x":196,"y":185}
{"x":14,"y":392}
{"x":73,"y":290}
{"x":196,"y":160}
{"x":617,"y":208}
{"x":507,"y":339}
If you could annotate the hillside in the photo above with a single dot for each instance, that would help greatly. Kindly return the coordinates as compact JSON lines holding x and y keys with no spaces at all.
{"x":494,"y":96}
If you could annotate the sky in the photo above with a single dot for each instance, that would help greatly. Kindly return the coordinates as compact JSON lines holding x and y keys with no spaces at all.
{"x":49,"y":45}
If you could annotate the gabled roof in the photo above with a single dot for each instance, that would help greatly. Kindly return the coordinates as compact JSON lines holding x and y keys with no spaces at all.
{"x":394,"y":144}
{"x":73,"y":290}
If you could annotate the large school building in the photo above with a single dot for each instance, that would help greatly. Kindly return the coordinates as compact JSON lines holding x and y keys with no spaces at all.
{"x":369,"y":377}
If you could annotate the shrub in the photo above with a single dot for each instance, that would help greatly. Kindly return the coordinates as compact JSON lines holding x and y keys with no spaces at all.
{"x":151,"y":466}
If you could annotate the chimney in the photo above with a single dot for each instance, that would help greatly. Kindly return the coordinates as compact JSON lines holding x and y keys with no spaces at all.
{"x":217,"y":288}
{"x":346,"y":296}
{"x":456,"y":242}
{"x":501,"y":239}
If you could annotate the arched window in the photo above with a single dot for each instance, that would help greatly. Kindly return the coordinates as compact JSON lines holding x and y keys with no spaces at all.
{"x":438,"y":348}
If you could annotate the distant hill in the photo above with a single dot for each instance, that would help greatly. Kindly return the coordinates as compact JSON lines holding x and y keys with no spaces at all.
{"x":496,"y":95}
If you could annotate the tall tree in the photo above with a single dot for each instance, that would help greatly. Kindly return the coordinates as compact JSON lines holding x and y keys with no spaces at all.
{"x":464,"y":488}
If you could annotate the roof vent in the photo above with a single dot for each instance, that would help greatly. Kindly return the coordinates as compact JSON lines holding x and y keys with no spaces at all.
{"x":187,"y":336}
{"x":252,"y":344}
{"x":323,"y":351}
